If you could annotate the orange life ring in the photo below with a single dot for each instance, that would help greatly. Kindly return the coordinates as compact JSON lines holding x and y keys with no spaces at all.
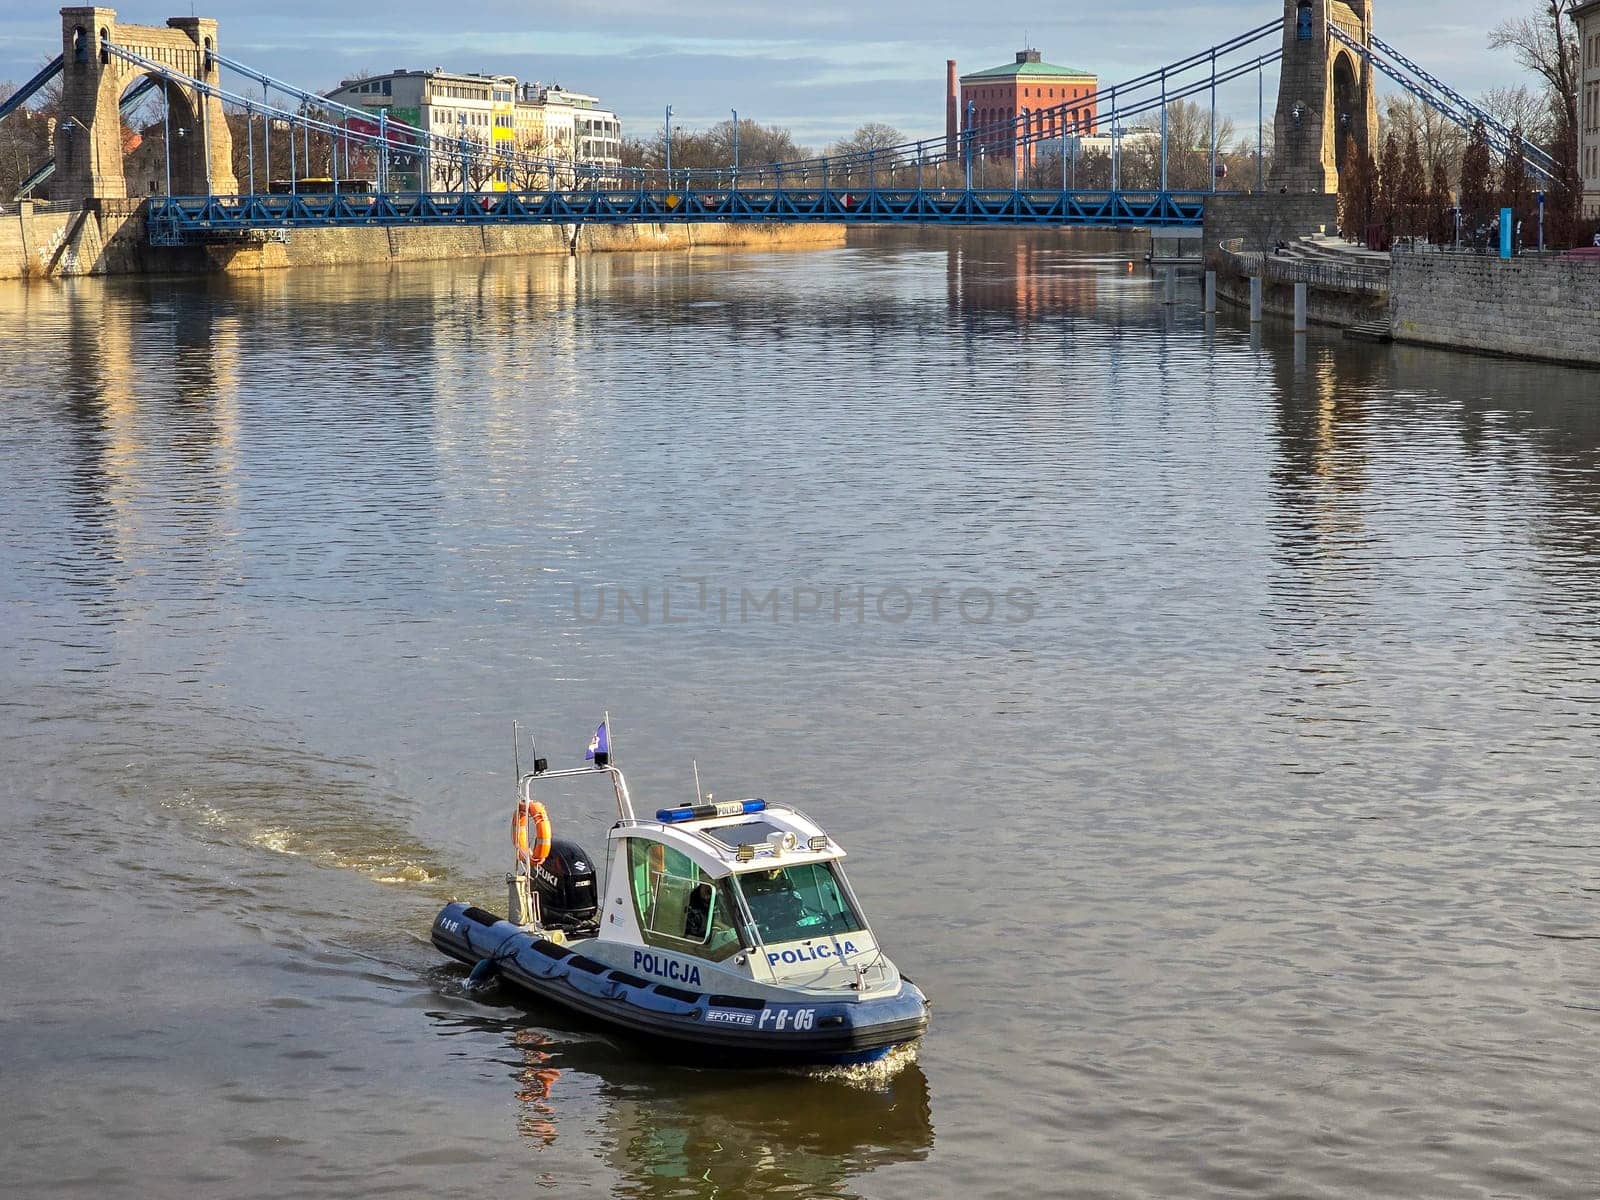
{"x":529,"y":809}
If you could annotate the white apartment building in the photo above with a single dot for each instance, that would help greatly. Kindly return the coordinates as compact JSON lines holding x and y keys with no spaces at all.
{"x":1587,"y":16}
{"x":489,"y":121}
{"x":570,"y":126}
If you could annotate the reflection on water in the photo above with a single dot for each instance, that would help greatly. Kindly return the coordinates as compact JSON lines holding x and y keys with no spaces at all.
{"x":1274,"y":807}
{"x":761,"y":1135}
{"x":673,"y":1131}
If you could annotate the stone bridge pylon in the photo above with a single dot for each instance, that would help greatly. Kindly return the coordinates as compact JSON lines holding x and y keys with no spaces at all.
{"x":88,"y":140}
{"x":1325,"y":94}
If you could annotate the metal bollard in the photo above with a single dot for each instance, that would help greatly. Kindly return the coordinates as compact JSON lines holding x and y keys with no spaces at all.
{"x":1211,"y":292}
{"x":1299,"y":308}
{"x":1255,"y":299}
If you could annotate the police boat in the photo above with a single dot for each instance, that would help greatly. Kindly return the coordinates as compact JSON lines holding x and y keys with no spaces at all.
{"x":725,"y":932}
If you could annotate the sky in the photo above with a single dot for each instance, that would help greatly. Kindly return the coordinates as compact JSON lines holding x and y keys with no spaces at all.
{"x":819,"y":68}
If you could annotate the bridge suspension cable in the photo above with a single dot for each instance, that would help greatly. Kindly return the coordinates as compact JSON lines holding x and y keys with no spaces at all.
{"x":126,"y":107}
{"x":424,"y":142}
{"x":421,"y":137}
{"x":1452,"y":106}
{"x":933,"y":150}
{"x":1149,"y":92}
{"x":26,"y":92}
{"x":1444,"y":89}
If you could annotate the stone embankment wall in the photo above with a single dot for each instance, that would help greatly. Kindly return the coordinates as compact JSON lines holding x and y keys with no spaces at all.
{"x":113,"y":241}
{"x":1522,"y":307}
{"x":1263,"y":219}
{"x":39,"y":243}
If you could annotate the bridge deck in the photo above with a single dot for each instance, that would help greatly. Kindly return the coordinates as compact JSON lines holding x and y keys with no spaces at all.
{"x":177,"y":220}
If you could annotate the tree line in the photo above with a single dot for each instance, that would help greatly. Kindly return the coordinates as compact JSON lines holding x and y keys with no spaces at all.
{"x":1429,"y":173}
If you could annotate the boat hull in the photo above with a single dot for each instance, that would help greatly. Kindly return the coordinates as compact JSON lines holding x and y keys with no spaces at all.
{"x":700,"y":1027}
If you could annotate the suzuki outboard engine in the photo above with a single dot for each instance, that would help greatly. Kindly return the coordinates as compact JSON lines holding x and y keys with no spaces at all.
{"x":569,"y":898}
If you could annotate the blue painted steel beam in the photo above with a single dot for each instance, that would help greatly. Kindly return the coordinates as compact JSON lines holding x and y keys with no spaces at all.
{"x":48,"y":167}
{"x":180,"y":219}
{"x":26,"y":92}
{"x":1529,"y":150}
{"x":1534,"y":160}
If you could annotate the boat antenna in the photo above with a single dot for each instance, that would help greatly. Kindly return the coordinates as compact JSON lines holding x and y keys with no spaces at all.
{"x":516,"y":751}
{"x":697,"y":792}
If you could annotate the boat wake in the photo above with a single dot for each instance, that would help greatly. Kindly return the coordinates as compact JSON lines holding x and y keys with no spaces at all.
{"x":869,"y":1076}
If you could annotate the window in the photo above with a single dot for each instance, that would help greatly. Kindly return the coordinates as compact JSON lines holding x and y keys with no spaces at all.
{"x":793,"y":903}
{"x":678,"y":907}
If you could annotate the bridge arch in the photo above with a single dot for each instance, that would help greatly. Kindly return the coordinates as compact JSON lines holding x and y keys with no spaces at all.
{"x":89,"y":145}
{"x":1347,"y":99}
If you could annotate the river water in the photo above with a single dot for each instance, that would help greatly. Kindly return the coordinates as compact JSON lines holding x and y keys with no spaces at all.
{"x":1211,"y":717}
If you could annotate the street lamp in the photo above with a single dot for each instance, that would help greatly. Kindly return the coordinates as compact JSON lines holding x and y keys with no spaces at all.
{"x":735,"y":147}
{"x":972,"y":108}
{"x":669,"y":146}
{"x":1019,"y":139}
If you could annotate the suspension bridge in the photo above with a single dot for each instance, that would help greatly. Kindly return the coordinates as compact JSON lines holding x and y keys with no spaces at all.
{"x":1324,"y":52}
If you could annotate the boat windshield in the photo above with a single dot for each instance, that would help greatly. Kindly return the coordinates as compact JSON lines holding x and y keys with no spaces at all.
{"x":790,"y":904}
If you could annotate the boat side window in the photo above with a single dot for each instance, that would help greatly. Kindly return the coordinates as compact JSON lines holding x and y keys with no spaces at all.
{"x":679,"y":907}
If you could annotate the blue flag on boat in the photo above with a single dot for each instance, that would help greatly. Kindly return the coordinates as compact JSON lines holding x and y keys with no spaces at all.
{"x":599,"y":743}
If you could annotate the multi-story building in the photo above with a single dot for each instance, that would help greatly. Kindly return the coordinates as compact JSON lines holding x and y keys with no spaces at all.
{"x":1587,"y":15}
{"x":489,"y":125}
{"x":502,"y":131}
{"x":572,"y":127}
{"x":1049,"y":101}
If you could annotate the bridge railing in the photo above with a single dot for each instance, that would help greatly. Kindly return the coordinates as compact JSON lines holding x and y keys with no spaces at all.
{"x":40,"y":207}
{"x":179,"y":219}
{"x":1335,"y":277}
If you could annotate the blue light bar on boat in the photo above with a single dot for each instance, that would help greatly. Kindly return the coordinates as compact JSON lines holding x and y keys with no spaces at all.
{"x":699,"y":812}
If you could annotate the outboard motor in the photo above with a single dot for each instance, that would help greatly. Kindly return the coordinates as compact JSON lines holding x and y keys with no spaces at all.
{"x":569,"y":897}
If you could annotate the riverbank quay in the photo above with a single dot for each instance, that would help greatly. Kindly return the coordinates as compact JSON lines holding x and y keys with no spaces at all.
{"x":1339,"y":293}
{"x":1284,"y":241}
{"x":1268,"y":249}
{"x":110,"y":237}
{"x":1540,"y":308}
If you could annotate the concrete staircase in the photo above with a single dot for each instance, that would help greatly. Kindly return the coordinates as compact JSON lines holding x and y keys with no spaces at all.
{"x":1330,"y":250}
{"x":1370,"y":331}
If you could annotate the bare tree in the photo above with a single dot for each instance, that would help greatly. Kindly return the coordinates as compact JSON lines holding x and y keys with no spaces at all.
{"x":462,"y":163}
{"x":1521,"y":105}
{"x":530,"y":168}
{"x":1439,"y":139}
{"x":1188,"y":146}
{"x":873,"y":137}
{"x":24,"y":142}
{"x":1545,"y":43}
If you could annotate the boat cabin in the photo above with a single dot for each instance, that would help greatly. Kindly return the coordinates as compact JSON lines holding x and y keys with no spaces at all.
{"x":756,"y":888}
{"x":731,"y":897}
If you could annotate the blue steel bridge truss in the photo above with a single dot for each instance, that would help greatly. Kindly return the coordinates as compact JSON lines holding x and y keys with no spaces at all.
{"x":180,"y":220}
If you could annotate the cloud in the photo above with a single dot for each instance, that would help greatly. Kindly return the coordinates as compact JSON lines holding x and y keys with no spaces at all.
{"x":821,"y":68}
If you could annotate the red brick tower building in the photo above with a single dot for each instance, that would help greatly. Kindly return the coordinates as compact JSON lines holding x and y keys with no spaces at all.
{"x":1055,"y":99}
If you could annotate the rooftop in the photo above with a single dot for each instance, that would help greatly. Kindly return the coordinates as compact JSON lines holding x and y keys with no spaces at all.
{"x":1028,"y":64}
